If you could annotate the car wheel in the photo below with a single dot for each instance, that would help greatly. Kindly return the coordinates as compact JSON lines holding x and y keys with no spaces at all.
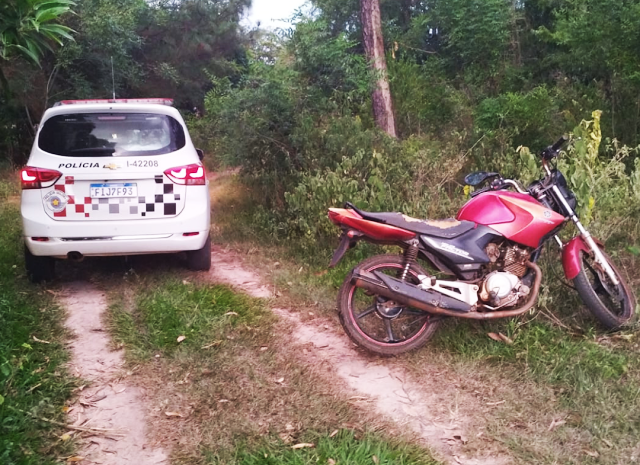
{"x":200,"y":260}
{"x":39,"y":269}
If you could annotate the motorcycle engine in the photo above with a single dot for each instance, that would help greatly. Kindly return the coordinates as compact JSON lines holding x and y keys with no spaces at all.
{"x":502,"y":289}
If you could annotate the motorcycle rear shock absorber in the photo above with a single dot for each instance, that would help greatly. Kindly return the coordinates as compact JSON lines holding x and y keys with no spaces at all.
{"x":410,"y":256}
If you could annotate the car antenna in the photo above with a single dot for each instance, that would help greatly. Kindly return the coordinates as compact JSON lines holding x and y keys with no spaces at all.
{"x":113,"y":80}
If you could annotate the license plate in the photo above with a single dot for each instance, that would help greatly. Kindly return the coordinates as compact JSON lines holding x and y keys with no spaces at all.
{"x":102,"y":191}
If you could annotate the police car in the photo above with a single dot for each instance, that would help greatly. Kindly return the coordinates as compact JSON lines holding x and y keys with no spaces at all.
{"x":113,"y":177}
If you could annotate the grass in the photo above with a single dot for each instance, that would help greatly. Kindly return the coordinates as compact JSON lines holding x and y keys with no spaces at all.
{"x":9,"y":183}
{"x":239,"y":387}
{"x":346,"y":448}
{"x":560,"y":368}
{"x":33,"y":379}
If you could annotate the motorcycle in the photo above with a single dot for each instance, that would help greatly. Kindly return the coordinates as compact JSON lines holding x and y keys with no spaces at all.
{"x":390,"y":304}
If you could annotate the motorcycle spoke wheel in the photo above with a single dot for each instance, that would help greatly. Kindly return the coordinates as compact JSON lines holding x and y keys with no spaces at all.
{"x":380,"y":324}
{"x":612,"y":305}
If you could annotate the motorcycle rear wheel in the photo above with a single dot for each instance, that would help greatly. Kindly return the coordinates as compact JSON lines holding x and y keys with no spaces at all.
{"x":378,"y":324}
{"x":610,"y":311}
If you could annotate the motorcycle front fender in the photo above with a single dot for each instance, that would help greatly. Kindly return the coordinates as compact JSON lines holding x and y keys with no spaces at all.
{"x":571,"y":261}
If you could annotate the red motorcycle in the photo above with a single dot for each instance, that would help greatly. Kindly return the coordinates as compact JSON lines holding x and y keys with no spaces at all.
{"x":390,"y":304}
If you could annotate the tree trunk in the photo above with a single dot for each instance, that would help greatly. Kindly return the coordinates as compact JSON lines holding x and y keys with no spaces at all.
{"x":374,"y":48}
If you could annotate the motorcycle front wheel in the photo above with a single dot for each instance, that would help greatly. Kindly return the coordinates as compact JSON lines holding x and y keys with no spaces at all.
{"x":379,"y":324}
{"x":612,"y":305}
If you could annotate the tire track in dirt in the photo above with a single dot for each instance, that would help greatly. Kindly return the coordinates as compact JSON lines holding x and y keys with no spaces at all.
{"x":423,"y":407}
{"x":109,"y":402}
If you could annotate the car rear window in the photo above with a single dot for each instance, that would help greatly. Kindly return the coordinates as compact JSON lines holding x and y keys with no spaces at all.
{"x":111,"y":135}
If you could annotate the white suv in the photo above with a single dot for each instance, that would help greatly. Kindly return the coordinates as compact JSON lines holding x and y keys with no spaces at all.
{"x":113,"y":177}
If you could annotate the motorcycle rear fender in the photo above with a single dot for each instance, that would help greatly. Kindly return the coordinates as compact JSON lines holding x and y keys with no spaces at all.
{"x":571,"y":261}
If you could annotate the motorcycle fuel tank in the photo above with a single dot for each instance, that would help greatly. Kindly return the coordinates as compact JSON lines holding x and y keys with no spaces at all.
{"x":518,"y":217}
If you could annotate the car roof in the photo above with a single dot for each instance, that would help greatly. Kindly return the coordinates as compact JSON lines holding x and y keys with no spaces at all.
{"x":112,"y":107}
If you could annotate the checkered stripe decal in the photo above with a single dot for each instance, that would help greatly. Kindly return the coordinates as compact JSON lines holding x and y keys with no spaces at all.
{"x":164,"y":202}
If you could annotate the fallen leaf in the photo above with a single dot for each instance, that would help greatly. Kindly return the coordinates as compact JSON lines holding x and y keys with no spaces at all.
{"x":491,"y":404}
{"x":276,"y":264}
{"x":555,"y":423}
{"x":40,"y":340}
{"x":65,"y":437}
{"x":375,"y":459}
{"x":263,"y":348}
{"x":495,"y":337}
{"x":505,"y":339}
{"x":185,"y":282}
{"x":300,"y":270}
{"x":76,"y":458}
{"x":331,"y":462}
{"x":65,"y":409}
{"x":608,"y":443}
{"x":302,"y":445}
{"x":335,"y":431}
{"x":223,"y":401}
{"x":181,"y":338}
{"x":174,"y":414}
{"x":230,"y":313}
{"x":213,"y":344}
{"x":280,"y":380}
{"x":591,"y":453}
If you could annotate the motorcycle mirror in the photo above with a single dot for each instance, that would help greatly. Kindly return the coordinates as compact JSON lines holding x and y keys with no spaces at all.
{"x":474,"y":179}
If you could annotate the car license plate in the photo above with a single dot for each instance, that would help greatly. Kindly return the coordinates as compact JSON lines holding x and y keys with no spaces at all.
{"x":102,"y":191}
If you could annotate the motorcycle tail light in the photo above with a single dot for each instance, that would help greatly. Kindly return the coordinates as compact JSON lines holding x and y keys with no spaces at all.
{"x":191,"y":175}
{"x":36,"y":178}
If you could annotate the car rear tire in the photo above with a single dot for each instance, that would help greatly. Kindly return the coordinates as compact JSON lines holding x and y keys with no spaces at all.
{"x":200,"y":260}
{"x":39,"y":269}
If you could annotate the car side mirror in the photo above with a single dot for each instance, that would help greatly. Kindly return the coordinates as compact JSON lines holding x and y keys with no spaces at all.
{"x":474,"y":179}
{"x":200,"y":154}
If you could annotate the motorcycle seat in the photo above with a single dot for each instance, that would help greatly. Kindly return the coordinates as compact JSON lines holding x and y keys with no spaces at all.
{"x":447,"y":229}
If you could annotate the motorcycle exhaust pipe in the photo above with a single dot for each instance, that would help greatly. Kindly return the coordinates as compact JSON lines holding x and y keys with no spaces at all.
{"x":433,"y":302}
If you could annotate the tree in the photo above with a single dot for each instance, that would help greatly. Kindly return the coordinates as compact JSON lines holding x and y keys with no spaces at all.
{"x":374,"y":49}
{"x":28,"y":28}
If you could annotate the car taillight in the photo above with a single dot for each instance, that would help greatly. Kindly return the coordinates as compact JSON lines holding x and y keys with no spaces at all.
{"x":36,"y":178}
{"x":191,"y":175}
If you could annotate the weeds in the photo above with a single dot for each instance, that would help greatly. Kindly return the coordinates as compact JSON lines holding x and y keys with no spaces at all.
{"x":33,"y":379}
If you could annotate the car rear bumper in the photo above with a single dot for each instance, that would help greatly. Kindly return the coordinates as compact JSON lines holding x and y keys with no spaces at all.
{"x":115,"y":237}
{"x":117,"y":245}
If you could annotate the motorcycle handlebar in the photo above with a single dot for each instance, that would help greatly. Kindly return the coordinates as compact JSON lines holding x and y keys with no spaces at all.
{"x":552,"y":151}
{"x":559,"y":143}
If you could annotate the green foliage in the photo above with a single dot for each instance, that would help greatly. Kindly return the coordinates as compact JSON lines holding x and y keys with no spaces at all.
{"x":33,"y":377}
{"x":407,"y":177}
{"x":606,"y":189}
{"x":530,"y":118}
{"x":27,"y":27}
{"x":475,"y":33}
